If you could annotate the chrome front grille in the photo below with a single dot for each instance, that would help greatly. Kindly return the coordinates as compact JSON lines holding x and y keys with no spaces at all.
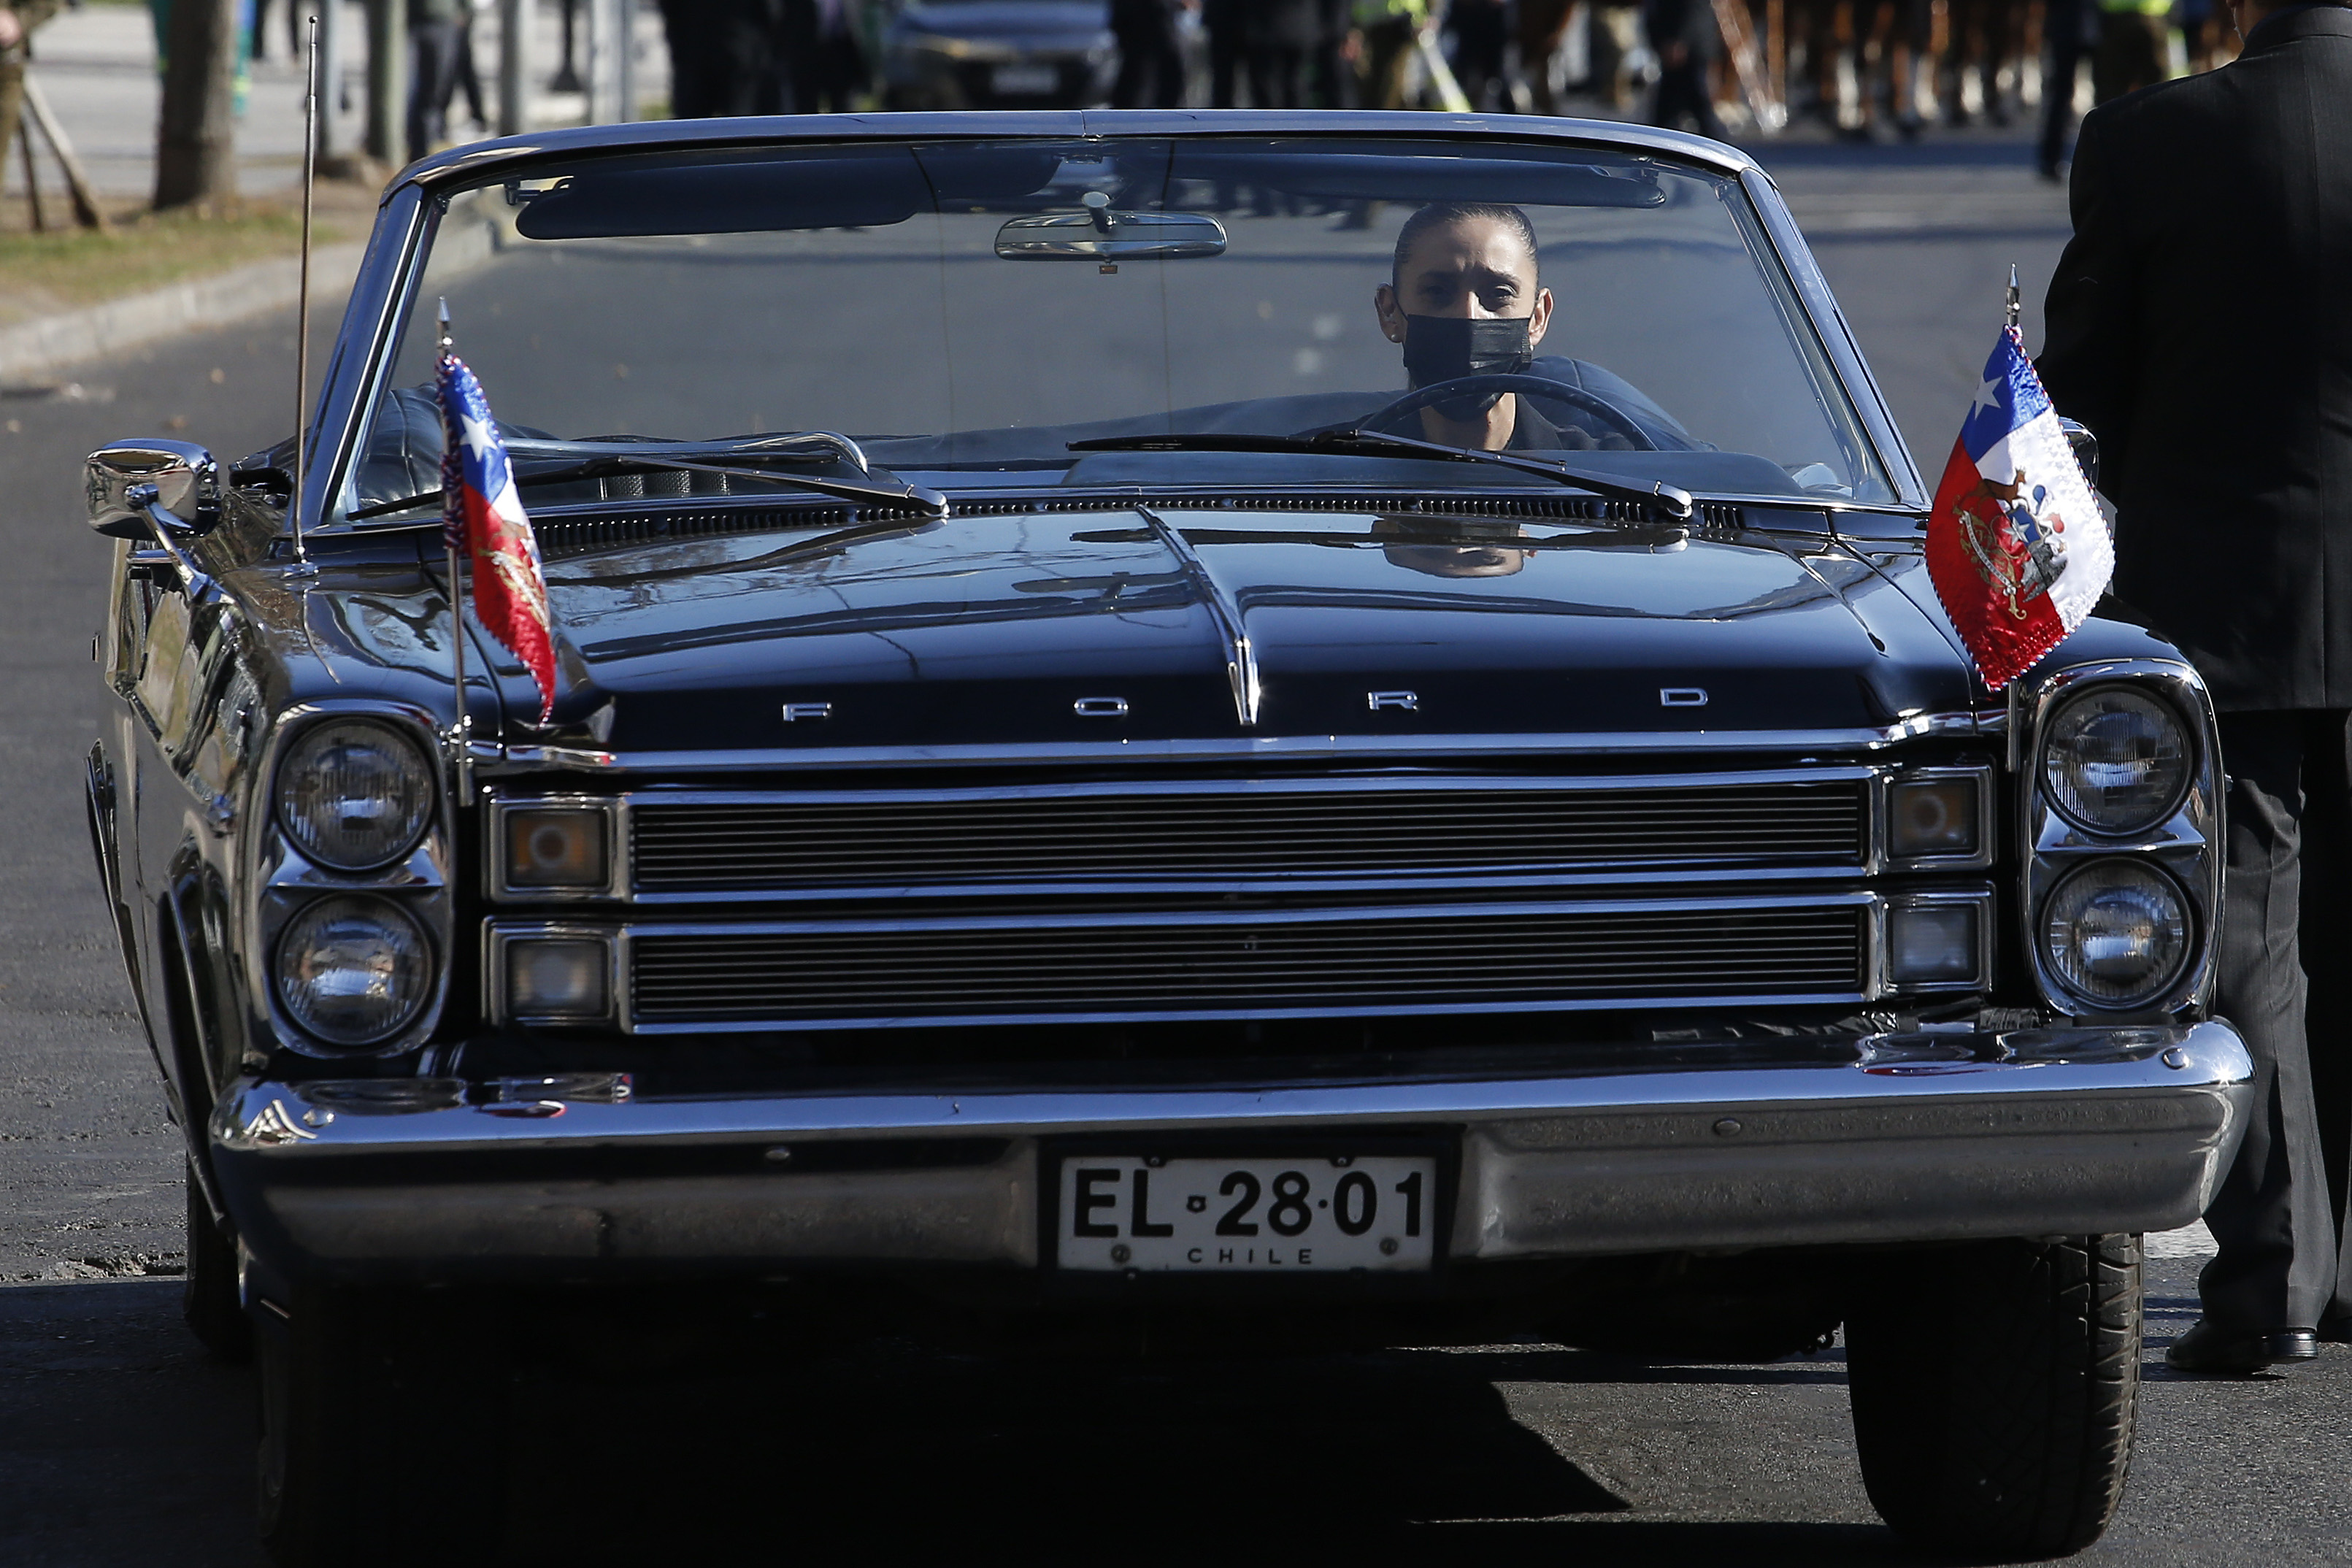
{"x":1525,"y":957}
{"x":1241,"y":831}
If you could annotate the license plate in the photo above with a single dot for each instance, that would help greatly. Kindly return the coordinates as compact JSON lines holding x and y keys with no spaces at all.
{"x":1249,"y":1215}
{"x":1024,"y":81}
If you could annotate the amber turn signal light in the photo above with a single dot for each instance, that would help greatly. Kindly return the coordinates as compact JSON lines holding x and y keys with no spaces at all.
{"x":557,"y":847}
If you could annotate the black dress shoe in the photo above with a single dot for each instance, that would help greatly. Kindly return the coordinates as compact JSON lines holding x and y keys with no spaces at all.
{"x":2208,"y":1349}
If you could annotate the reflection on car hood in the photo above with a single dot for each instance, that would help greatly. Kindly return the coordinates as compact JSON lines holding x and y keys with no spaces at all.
{"x":990,"y":630}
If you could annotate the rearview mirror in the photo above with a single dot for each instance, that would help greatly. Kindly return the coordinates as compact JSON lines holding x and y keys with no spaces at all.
{"x":187,"y":484}
{"x":1101,"y":234}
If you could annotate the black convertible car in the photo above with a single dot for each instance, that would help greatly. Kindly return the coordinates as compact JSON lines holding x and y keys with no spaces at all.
{"x":1317,"y":721}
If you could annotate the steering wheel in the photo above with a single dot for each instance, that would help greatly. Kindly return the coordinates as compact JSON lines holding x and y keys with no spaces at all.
{"x":1592,"y":402}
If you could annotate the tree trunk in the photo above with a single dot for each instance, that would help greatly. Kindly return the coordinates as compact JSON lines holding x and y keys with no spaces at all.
{"x":195,"y":152}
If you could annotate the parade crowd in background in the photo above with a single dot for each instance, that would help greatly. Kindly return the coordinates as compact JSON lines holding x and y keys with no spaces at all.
{"x":1866,"y":68}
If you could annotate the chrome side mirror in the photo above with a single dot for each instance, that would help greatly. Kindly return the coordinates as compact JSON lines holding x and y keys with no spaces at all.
{"x":134,"y":488}
{"x":2086,"y":449}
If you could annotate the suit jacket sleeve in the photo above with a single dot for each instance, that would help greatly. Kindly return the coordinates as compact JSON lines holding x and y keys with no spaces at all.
{"x":2090,"y":356}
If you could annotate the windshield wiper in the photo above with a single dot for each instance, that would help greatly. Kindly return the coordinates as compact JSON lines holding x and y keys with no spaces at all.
{"x":635,"y":459}
{"x":1675,"y":501}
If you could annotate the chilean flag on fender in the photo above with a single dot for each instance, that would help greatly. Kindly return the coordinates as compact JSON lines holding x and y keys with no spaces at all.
{"x":483,"y":519}
{"x":2016,"y":548}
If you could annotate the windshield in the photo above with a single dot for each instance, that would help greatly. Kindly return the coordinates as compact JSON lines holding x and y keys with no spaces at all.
{"x":967,"y":310}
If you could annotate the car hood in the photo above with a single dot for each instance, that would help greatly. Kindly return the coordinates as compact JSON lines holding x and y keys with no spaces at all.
{"x":1085,"y":627}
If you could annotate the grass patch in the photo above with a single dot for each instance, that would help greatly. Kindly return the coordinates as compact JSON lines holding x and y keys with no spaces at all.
{"x":60,"y":269}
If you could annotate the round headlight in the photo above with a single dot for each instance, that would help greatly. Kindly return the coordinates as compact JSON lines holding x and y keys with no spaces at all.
{"x":2116,"y":761}
{"x":2117,"y":933}
{"x":354,"y":971}
{"x":354,"y":794}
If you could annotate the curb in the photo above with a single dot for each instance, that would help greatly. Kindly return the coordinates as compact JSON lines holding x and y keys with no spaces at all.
{"x":254,"y":290}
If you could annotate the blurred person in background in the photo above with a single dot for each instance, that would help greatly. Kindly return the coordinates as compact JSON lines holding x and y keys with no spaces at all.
{"x":297,"y":12}
{"x":1331,"y":73}
{"x":1983,"y":41}
{"x":160,"y":11}
{"x":1542,"y":29}
{"x":1224,"y":21}
{"x":1150,"y":61}
{"x":1894,"y":39}
{"x":463,"y":76}
{"x":1281,"y":41}
{"x":1482,"y":32}
{"x":822,"y":62}
{"x":1386,"y":32}
{"x":2135,"y":46}
{"x":433,"y":34}
{"x":722,"y":58}
{"x":2072,"y":29}
{"x":17,"y":20}
{"x":1683,"y":34}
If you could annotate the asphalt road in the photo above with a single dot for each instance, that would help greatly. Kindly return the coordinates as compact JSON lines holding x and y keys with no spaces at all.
{"x":120,"y":1443}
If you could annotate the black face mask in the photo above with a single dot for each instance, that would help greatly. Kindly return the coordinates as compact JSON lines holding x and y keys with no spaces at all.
{"x":1447,"y":348}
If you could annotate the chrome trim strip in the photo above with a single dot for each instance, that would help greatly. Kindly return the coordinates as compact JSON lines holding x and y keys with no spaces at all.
{"x":364,"y":354}
{"x":2041,"y":1063}
{"x":521,"y":760}
{"x":483,"y":158}
{"x":1241,"y":659}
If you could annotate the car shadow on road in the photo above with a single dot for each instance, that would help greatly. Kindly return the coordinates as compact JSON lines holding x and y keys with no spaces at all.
{"x":903,"y":1454}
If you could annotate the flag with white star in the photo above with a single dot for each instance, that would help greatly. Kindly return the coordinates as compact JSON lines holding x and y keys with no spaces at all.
{"x":483,"y":519}
{"x":2016,"y":548}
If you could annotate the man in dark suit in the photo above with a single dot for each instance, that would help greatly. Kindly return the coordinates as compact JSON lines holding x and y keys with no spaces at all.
{"x":2200,"y":324}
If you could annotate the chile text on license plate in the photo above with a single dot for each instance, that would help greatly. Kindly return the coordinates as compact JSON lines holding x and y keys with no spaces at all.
{"x":1249,"y":1215}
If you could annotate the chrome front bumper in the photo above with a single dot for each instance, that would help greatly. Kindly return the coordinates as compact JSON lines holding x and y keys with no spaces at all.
{"x":2065,"y":1132}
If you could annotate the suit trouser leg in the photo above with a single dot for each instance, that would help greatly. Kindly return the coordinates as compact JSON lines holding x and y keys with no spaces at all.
{"x":2277,"y":1261}
{"x":2326,"y":941}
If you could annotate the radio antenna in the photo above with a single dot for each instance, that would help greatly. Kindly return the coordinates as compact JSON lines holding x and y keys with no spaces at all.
{"x":302,"y":295}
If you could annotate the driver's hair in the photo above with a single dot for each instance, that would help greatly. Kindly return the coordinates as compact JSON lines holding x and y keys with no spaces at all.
{"x":1444,"y":215}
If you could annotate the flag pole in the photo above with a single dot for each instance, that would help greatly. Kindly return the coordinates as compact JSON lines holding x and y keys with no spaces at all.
{"x":2016,"y":308}
{"x":302,"y":290}
{"x":461,"y":732}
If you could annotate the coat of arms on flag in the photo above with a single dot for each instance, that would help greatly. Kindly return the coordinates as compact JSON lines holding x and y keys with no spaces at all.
{"x":483,"y":519}
{"x":2016,"y":548}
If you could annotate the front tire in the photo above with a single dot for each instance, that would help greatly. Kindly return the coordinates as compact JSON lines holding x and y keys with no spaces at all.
{"x":1993,"y":1388}
{"x":208,"y":1292}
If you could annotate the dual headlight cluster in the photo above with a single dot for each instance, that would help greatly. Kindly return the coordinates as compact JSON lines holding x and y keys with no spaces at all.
{"x":353,"y":969}
{"x":2116,"y":931}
